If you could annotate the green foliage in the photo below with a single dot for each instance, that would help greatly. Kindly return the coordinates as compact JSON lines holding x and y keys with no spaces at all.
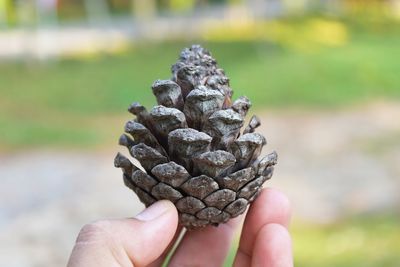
{"x":71,"y":10}
{"x":359,"y":242}
{"x":75,"y":102}
{"x":181,"y":5}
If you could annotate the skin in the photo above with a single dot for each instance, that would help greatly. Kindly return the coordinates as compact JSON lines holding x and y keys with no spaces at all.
{"x":146,"y":239}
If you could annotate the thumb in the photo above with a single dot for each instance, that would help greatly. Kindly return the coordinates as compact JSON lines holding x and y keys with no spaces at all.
{"x":154,"y":229}
{"x":138,"y":241}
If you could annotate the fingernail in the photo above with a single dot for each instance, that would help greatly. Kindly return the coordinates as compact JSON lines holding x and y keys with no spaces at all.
{"x":154,"y":211}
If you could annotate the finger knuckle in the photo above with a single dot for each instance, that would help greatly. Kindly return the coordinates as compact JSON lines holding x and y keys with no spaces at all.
{"x":94,"y":232}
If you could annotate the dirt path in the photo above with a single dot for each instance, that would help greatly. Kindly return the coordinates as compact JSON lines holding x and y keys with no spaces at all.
{"x":334,"y":164}
{"x":331,"y":164}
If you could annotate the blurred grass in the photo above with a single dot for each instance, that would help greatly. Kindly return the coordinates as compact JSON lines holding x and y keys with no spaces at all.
{"x":354,"y":242}
{"x":282,"y":64}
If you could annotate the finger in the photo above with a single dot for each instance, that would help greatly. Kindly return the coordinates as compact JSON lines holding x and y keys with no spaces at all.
{"x":273,"y":247}
{"x":154,"y":236}
{"x":271,"y":206}
{"x":138,"y":241}
{"x":205,"y":247}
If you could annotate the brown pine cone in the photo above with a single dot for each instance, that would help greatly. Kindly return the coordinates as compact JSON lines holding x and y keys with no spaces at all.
{"x":190,"y":147}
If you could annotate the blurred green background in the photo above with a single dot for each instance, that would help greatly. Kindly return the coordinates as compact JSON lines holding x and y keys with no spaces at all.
{"x":308,"y":56}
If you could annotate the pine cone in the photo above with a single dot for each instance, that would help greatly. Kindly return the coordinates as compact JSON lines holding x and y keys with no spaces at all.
{"x":190,"y":147}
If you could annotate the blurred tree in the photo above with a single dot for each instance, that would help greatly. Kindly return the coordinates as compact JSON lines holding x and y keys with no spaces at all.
{"x":235,"y":2}
{"x":25,"y":12}
{"x":295,"y":6}
{"x":71,"y":9}
{"x":46,"y":11}
{"x":3,"y":13}
{"x":11,"y":12}
{"x":180,"y":5}
{"x":217,"y":1}
{"x":119,"y":6}
{"x":361,"y":4}
{"x":97,"y":11}
{"x":143,"y":9}
{"x":201,"y":2}
{"x":162,"y":4}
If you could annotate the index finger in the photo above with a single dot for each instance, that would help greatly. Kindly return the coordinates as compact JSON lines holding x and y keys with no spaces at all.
{"x":271,"y":206}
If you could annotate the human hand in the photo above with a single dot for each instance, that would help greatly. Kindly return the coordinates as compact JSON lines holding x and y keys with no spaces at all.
{"x":146,"y":239}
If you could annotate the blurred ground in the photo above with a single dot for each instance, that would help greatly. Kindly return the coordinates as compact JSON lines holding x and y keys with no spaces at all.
{"x":333,"y":165}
